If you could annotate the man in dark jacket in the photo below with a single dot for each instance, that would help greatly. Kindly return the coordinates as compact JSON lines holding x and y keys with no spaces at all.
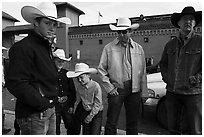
{"x":181,"y":69}
{"x":66,"y":92}
{"x":32,"y":75}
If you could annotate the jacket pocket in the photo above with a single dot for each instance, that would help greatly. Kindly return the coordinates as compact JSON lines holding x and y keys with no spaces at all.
{"x":194,"y":51}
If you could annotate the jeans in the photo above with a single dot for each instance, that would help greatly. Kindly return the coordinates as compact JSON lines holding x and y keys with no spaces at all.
{"x":39,"y":123}
{"x":62,"y":113}
{"x":192,"y":105}
{"x":131,"y":102}
{"x":93,"y":128}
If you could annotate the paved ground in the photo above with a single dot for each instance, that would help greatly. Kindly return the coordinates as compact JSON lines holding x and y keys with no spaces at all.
{"x":9,"y":122}
{"x":147,"y":125}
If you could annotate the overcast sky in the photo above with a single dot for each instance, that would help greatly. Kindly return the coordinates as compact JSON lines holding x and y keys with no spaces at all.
{"x":110,"y":10}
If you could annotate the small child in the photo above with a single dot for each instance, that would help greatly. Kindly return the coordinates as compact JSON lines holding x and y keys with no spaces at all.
{"x":66,"y":92}
{"x":88,"y":108}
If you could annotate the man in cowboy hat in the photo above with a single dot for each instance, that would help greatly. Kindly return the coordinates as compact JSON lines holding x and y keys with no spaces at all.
{"x":66,"y":92}
{"x":32,"y":74}
{"x":88,"y":108}
{"x":181,"y":69}
{"x":123,"y":71}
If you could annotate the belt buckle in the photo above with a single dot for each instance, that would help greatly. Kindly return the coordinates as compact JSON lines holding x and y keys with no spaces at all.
{"x":62,"y":99}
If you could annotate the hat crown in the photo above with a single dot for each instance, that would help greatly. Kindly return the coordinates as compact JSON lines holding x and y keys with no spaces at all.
{"x":59,"y":53}
{"x":81,"y":67}
{"x":187,"y":10}
{"x":123,"y":22}
{"x":48,"y":8}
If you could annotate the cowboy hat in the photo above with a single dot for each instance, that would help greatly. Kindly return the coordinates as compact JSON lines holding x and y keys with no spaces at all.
{"x":81,"y":68}
{"x":59,"y":53}
{"x":186,"y":11}
{"x":45,"y":9}
{"x":124,"y":24}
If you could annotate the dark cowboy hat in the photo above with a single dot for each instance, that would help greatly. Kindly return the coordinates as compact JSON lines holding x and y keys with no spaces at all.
{"x":186,"y":11}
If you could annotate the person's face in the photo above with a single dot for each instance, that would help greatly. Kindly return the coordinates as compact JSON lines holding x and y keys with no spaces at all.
{"x":46,"y":27}
{"x":124,"y":35}
{"x":187,"y":23}
{"x":83,"y":79}
{"x":59,"y":63}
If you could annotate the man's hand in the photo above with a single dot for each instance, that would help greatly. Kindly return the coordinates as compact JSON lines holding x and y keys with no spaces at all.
{"x":114,"y":92}
{"x":88,"y":119}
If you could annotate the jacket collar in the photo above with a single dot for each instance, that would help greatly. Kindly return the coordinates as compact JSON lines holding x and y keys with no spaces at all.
{"x":116,"y":42}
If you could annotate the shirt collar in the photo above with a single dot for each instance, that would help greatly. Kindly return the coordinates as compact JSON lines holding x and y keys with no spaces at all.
{"x":88,"y":85}
{"x":116,"y":42}
{"x":182,"y":37}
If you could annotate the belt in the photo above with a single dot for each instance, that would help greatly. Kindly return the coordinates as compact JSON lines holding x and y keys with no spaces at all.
{"x":127,"y":83}
{"x":62,"y":99}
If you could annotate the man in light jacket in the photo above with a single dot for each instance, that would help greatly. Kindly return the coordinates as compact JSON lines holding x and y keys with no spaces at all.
{"x":123,"y":71}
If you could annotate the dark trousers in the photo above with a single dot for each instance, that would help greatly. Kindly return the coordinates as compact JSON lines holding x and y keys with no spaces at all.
{"x":17,"y":128}
{"x":131,"y":102}
{"x":62,"y":114}
{"x":93,"y":128}
{"x":192,"y":105}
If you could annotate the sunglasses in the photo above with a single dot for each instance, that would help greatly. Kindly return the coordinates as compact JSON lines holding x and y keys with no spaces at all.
{"x":122,"y":31}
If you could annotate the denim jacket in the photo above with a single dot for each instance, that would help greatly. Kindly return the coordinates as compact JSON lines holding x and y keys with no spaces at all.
{"x":110,"y":67}
{"x":182,"y":69}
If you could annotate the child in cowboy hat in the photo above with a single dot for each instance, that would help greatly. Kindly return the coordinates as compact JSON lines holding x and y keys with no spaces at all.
{"x":32,"y":75}
{"x":66,"y":92}
{"x":181,"y":69}
{"x":88,"y":107}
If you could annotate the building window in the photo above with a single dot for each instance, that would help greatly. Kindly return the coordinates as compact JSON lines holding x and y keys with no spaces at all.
{"x":146,"y":39}
{"x":81,"y":42}
{"x":100,"y":41}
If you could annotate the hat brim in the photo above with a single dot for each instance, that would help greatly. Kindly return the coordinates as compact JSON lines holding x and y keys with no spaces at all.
{"x":65,"y":59}
{"x":30,"y":13}
{"x":73,"y":74}
{"x":115,"y":28}
{"x":176,"y":17}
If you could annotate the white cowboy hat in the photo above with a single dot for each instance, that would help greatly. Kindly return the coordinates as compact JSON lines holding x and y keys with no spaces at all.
{"x":45,"y":9}
{"x":123,"y":24}
{"x":59,"y":53}
{"x":81,"y":68}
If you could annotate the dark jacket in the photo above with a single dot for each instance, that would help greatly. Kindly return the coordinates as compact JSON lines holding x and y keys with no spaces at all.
{"x":66,"y":88}
{"x":182,"y":69}
{"x":32,"y":75}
